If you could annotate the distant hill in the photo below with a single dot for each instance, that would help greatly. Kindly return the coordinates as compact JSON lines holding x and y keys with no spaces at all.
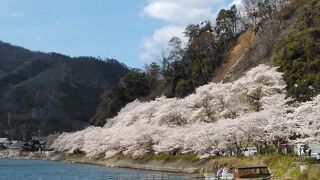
{"x":50,"y":92}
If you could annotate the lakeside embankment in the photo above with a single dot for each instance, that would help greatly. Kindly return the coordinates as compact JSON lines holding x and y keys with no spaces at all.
{"x":283,"y":167}
{"x":176,"y":166}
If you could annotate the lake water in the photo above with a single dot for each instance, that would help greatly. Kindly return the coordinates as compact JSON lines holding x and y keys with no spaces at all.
{"x":19,"y":169}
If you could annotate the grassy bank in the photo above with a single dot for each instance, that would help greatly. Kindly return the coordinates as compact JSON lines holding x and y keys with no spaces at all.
{"x":169,"y":157}
{"x":280,"y":166}
{"x":312,"y":171}
{"x":277,"y":164}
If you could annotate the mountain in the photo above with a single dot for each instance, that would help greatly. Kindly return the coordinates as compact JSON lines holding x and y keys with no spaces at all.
{"x":48,"y":92}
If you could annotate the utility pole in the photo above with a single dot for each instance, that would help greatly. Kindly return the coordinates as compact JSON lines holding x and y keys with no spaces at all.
{"x":24,"y":137}
{"x":39,"y":131}
{"x":9,"y":119}
{"x":9,"y":125}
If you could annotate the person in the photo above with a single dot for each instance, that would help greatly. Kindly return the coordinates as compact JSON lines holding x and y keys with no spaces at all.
{"x":305,"y":147}
{"x":318,"y":157}
{"x":309,"y":151}
{"x":225,"y":173}
{"x":219,"y":172}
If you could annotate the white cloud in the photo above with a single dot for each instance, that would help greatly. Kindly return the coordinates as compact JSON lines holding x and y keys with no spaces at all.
{"x":177,"y":14}
{"x":180,"y":11}
{"x":152,"y":46}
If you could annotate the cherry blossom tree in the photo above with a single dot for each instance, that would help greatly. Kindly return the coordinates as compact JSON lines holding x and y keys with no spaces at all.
{"x":217,"y":117}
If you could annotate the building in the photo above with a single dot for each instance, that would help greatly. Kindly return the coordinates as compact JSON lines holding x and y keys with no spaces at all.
{"x":252,"y":172}
{"x":16,"y":145}
{"x":38,"y":143}
{"x":26,"y":146}
{"x":287,"y":149}
{"x":4,"y":142}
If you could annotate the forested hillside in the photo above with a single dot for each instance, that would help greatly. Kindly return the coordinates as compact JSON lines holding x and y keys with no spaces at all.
{"x":42,"y":93}
{"x":275,"y":32}
{"x":298,"y":54}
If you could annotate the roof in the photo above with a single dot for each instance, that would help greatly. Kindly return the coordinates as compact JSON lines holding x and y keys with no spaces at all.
{"x":251,"y":167}
{"x":16,"y":145}
{"x":4,"y":141}
{"x":39,"y":138}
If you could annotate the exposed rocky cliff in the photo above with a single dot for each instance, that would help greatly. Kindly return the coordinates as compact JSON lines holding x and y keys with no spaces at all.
{"x":255,"y":46}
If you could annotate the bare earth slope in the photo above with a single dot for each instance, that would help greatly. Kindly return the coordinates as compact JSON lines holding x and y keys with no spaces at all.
{"x":254,"y":47}
{"x":242,"y":46}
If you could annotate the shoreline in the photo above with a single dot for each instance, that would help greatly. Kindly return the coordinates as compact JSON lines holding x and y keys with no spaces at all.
{"x":174,"y":166}
{"x":280,"y":166}
{"x":99,"y":165}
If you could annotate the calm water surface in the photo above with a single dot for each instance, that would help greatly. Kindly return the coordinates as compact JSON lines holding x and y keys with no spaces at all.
{"x":19,"y":169}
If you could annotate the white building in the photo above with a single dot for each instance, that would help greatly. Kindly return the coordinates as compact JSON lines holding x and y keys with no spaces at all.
{"x":4,"y":142}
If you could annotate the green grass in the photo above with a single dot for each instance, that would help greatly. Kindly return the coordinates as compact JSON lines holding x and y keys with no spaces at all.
{"x":278,"y":164}
{"x":71,"y":156}
{"x":169,"y":157}
{"x":313,"y":172}
{"x":295,"y":173}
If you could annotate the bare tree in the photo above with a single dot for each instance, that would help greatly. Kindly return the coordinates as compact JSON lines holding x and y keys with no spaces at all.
{"x":175,"y":119}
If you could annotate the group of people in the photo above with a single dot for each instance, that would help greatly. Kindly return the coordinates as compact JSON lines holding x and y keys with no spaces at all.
{"x":306,"y":150}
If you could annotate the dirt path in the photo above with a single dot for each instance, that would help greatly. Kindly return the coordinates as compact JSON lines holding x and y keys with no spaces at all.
{"x":293,"y":166}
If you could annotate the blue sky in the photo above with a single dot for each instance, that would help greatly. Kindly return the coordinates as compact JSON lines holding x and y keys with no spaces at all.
{"x":132,"y":31}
